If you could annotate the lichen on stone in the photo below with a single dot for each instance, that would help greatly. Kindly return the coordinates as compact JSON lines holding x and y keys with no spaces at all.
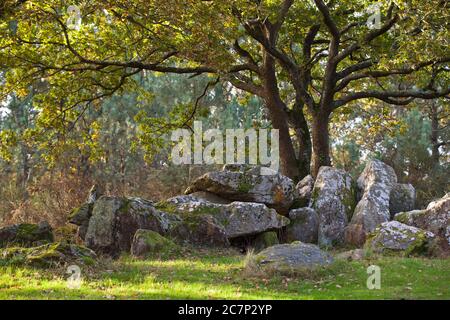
{"x":396,"y":238}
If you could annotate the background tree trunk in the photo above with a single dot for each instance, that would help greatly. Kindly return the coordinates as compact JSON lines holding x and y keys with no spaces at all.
{"x":434,"y":115}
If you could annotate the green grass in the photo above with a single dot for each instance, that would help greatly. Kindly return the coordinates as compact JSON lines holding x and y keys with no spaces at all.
{"x":220,"y":275}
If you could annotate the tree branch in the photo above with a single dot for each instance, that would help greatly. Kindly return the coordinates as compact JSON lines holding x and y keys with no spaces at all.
{"x":391,"y":96}
{"x":247,"y":56}
{"x":329,"y":22}
{"x":287,"y":4}
{"x":380,"y":74}
{"x":371,"y":35}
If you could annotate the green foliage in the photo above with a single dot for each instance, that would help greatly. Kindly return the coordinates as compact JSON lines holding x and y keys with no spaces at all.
{"x":115,"y":142}
{"x":409,"y":152}
{"x":347,"y":155}
{"x":402,"y":138}
{"x":118,"y":39}
{"x":8,"y":139}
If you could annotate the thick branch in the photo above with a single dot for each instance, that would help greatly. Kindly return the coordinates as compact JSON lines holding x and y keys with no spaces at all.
{"x":355,"y":67}
{"x":246,"y":86}
{"x":392,"y":96}
{"x":247,"y":56}
{"x":329,"y":22}
{"x":384,"y":73}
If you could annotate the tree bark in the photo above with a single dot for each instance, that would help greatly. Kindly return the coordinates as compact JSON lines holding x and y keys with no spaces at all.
{"x":321,"y":142}
{"x":303,"y":136}
{"x":25,"y":171}
{"x":288,"y":160}
{"x":279,"y":119}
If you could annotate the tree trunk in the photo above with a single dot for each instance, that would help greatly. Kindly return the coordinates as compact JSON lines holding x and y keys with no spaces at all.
{"x":84,"y":166}
{"x":25,"y":171}
{"x":123,"y":166}
{"x":288,"y":160}
{"x":303,"y":136}
{"x":321,"y":142}
{"x":279,"y":119}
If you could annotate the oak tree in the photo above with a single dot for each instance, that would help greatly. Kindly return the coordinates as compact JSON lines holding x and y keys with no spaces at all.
{"x":306,"y":59}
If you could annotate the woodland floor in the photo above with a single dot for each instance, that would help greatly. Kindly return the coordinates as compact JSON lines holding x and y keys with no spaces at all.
{"x":213,"y":274}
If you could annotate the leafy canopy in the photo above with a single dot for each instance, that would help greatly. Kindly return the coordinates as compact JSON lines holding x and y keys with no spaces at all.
{"x":69,"y":70}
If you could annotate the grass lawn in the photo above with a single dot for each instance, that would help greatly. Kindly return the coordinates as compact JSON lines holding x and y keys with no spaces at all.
{"x":213,"y":274}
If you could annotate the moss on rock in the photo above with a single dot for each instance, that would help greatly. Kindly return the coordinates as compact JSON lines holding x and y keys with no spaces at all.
{"x":166,"y":206}
{"x":47,"y":255}
{"x":410,"y":216}
{"x":26,"y":234}
{"x":148,"y":242}
{"x":65,"y":233}
{"x":395,"y":238}
{"x":81,"y":215}
{"x":244,"y":185}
